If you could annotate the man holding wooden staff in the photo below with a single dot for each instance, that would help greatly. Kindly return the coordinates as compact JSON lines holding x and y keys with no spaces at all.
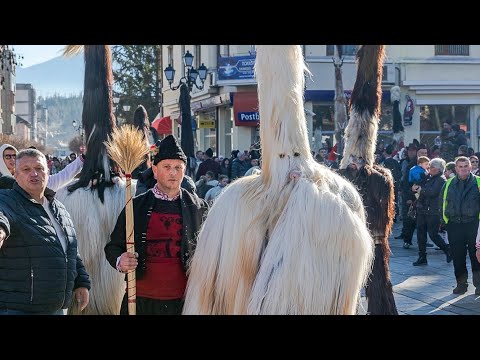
{"x":166,"y":221}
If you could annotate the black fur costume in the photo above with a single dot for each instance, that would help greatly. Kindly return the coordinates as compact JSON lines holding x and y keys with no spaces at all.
{"x":374,"y":183}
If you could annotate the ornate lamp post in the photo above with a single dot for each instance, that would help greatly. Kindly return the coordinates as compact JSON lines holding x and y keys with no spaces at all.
{"x":186,"y":84}
{"x":81,"y":132}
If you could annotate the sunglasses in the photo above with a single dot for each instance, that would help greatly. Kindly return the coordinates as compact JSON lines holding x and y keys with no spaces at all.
{"x":10,"y":156}
{"x":474,"y":162}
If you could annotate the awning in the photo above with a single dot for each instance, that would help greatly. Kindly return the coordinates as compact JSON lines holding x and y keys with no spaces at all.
{"x":162,"y":125}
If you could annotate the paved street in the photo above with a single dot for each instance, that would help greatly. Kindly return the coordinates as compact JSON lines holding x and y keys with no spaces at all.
{"x":427,"y":290}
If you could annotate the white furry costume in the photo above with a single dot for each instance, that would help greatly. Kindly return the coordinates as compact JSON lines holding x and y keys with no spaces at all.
{"x":272,"y":244}
{"x":94,"y":221}
{"x":95,"y":200}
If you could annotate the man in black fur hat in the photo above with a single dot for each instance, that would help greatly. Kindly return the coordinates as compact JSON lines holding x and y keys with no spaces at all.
{"x":167,"y":219}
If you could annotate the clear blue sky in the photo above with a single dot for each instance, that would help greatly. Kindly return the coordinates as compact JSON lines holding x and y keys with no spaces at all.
{"x":36,"y":54}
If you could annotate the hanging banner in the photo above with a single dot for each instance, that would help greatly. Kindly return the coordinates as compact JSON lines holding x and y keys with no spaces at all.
{"x":236,"y":67}
{"x":408,"y":112}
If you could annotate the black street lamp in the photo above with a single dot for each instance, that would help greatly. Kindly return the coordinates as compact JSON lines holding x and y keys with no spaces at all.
{"x":185,"y":85}
{"x":191,"y":74}
{"x":78,"y":128}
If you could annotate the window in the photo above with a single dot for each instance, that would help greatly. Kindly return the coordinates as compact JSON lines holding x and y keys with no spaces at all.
{"x":198,"y":56}
{"x":459,"y":50}
{"x":170,"y":54}
{"x":432,"y":118}
{"x":209,"y":135}
{"x":348,"y":50}
{"x":325,"y":118}
{"x":182,"y":51}
{"x":224,"y":50}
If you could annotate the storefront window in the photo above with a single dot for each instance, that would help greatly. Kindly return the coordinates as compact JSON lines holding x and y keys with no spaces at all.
{"x":209,"y":135}
{"x":348,"y":50}
{"x":432,"y":118}
{"x":325,"y":118}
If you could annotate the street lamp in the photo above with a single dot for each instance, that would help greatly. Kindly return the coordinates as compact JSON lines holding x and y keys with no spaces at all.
{"x":78,"y":128}
{"x":185,"y":85}
{"x":191,"y":76}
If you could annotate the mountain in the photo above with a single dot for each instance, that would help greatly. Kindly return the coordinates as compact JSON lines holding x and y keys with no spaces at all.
{"x":60,"y":76}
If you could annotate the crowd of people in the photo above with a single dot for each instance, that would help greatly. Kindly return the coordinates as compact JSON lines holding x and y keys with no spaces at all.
{"x":439,"y":199}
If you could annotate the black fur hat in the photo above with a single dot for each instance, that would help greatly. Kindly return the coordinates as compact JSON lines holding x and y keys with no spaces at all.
{"x":169,"y":148}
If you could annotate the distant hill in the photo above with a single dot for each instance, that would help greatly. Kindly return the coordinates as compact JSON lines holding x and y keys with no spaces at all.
{"x":58,"y":76}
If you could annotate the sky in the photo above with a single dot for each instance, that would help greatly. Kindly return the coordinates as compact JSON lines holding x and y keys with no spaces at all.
{"x":36,"y":54}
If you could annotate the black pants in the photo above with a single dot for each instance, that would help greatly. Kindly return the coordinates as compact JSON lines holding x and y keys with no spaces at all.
{"x":146,"y":306}
{"x":462,"y":238}
{"x":408,"y":228}
{"x":397,"y":208}
{"x":430,"y":224}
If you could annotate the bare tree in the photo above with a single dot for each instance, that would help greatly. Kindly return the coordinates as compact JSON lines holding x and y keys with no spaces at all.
{"x":340,"y":100}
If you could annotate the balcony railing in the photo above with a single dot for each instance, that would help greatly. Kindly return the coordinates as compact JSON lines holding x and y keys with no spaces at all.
{"x":458,"y":50}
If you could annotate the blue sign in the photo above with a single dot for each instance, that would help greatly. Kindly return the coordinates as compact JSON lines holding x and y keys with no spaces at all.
{"x":236,"y":67}
{"x":248,"y":116}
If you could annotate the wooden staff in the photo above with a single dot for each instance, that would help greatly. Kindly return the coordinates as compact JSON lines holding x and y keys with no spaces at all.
{"x":126,"y":147}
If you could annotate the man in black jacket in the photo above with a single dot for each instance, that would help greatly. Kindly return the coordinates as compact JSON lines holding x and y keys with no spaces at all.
{"x":167,"y":219}
{"x":40,"y":269}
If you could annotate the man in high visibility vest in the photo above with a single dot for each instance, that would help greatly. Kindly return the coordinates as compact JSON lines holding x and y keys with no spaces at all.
{"x":460,"y":198}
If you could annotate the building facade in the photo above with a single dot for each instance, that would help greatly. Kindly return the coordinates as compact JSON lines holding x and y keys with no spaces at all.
{"x":7,"y":91}
{"x":26,"y":106}
{"x":42,"y":124}
{"x":442,"y":81}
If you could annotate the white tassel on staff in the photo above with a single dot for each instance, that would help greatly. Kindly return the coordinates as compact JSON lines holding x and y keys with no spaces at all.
{"x":127,"y":148}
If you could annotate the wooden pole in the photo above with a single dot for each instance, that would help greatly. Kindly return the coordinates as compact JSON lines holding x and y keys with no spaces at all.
{"x":131,"y":281}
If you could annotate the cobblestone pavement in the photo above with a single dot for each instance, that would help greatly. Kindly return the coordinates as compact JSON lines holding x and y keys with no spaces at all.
{"x":426,"y":290}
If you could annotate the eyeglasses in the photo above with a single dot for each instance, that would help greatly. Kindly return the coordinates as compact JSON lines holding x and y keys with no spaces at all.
{"x":474,"y":162}
{"x":10,"y":156}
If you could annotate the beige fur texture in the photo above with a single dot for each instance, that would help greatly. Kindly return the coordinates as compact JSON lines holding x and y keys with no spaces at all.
{"x":274,"y":245}
{"x":94,"y":222}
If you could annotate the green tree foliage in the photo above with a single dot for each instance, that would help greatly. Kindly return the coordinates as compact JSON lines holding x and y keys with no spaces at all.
{"x":62,"y":111}
{"x":135,"y":70}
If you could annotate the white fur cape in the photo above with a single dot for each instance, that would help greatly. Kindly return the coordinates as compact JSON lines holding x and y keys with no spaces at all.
{"x":94,"y":222}
{"x":272,"y":245}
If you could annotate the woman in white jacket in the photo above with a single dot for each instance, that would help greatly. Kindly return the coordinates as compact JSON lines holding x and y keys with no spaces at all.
{"x":56,"y":181}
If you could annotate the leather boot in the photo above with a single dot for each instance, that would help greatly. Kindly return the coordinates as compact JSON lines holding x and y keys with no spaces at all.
{"x":460,"y":289}
{"x":462,"y":284}
{"x":422,"y":260}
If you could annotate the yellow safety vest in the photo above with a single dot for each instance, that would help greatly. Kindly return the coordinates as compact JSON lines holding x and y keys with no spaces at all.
{"x":445,"y":219}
